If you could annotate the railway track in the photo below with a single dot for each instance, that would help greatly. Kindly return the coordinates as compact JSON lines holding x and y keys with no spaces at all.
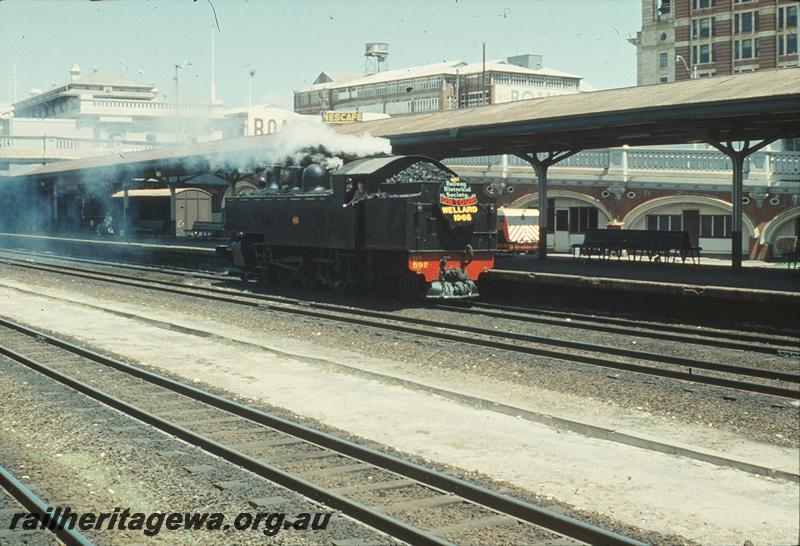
{"x":754,"y":341}
{"x":355,"y":479}
{"x":760,"y":343}
{"x":681,"y":368}
{"x":19,"y":498}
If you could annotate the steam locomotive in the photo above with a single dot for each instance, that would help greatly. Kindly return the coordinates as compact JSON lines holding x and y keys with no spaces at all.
{"x":406,"y":225}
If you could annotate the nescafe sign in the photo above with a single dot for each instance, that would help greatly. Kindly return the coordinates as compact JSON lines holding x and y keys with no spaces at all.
{"x":457,"y":202}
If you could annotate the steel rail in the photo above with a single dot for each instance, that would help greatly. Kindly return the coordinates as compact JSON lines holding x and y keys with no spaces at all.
{"x":642,"y":330}
{"x":766,"y":342}
{"x":688,"y":330}
{"x":519,"y":509}
{"x":35,"y":505}
{"x":353,"y":316}
{"x":370,"y":516}
{"x":691,"y":337}
{"x":529,"y":338}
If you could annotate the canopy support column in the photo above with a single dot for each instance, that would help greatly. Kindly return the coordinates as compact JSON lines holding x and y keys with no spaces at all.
{"x":737,"y":158}
{"x":125,"y":203}
{"x":54,"y":214}
{"x":540,"y":167}
{"x":172,"y":207}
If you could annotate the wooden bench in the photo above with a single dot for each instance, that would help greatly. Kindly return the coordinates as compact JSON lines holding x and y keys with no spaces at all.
{"x":658,"y":246}
{"x":206,"y":229}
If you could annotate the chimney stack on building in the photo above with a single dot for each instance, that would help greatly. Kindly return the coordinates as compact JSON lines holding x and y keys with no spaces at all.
{"x":75,"y":72}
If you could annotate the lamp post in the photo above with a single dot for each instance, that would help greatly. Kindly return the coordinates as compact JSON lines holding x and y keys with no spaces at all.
{"x":692,"y":71}
{"x":250,"y":88}
{"x":179,"y":125}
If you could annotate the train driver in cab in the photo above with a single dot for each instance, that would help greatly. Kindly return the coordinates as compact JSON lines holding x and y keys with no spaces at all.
{"x":359,"y":195}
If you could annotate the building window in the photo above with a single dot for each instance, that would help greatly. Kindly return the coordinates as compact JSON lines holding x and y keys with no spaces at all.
{"x":741,"y":1}
{"x":702,"y":54}
{"x":791,"y":145}
{"x":715,"y":226}
{"x":582,"y":219}
{"x":787,"y":44}
{"x":787,"y":16}
{"x":663,"y":61}
{"x":702,"y":28}
{"x":745,"y":49}
{"x":664,"y":222}
{"x":663,"y":7}
{"x":703,"y":4}
{"x":745,"y":22}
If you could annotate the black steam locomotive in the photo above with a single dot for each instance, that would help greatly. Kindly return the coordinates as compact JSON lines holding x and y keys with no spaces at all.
{"x":404,"y":224}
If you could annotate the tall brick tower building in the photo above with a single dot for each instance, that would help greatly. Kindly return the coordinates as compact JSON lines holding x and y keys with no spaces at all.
{"x":682,"y":39}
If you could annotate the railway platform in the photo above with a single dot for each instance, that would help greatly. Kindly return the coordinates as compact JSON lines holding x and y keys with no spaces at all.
{"x":189,"y":252}
{"x":756,"y":283}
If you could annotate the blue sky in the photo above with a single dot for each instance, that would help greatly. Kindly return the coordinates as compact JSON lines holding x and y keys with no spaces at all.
{"x":288,"y":43}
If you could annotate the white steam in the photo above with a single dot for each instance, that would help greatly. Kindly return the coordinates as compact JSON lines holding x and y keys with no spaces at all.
{"x":299,"y":141}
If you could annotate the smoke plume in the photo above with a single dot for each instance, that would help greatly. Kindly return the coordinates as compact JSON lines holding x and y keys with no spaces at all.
{"x":299,"y":142}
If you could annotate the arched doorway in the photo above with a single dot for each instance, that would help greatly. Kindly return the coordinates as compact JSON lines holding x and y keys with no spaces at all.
{"x":707,"y":219}
{"x":781,"y":230}
{"x":570,"y":215}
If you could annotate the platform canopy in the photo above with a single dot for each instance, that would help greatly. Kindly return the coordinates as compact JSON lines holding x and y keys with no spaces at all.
{"x":192,"y":160}
{"x":757,"y":105}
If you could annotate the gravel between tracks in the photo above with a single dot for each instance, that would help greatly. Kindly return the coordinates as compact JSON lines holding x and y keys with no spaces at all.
{"x":76,"y":452}
{"x":441,"y":359}
{"x":761,"y":418}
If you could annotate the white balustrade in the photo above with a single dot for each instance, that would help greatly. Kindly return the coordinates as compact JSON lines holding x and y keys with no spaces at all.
{"x":142,"y":107}
{"x":785,"y":162}
{"x":25,"y":148}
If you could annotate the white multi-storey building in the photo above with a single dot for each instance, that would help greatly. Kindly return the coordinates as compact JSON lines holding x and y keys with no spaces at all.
{"x":437,"y":87}
{"x":99,"y":114}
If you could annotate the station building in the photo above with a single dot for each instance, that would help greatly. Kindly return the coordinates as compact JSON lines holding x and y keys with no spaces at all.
{"x":660,"y":188}
{"x":685,"y":39}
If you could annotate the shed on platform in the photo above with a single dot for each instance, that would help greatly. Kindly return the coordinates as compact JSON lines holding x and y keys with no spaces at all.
{"x":154,"y":212}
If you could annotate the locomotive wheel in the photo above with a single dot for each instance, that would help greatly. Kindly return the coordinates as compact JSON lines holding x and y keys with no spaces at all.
{"x":407,"y":287}
{"x":338,"y":274}
{"x":285,"y":276}
{"x":265,"y":276}
{"x":308,"y":276}
{"x":374,"y":286}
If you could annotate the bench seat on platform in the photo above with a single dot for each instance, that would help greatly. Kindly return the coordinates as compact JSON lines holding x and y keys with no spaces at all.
{"x":206,"y":229}
{"x":658,"y":246}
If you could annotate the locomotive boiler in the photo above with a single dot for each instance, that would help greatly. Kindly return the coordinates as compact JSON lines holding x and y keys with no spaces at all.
{"x":407,"y":225}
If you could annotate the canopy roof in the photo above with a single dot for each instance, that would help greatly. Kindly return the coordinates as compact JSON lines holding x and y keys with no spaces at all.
{"x":756,"y":105}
